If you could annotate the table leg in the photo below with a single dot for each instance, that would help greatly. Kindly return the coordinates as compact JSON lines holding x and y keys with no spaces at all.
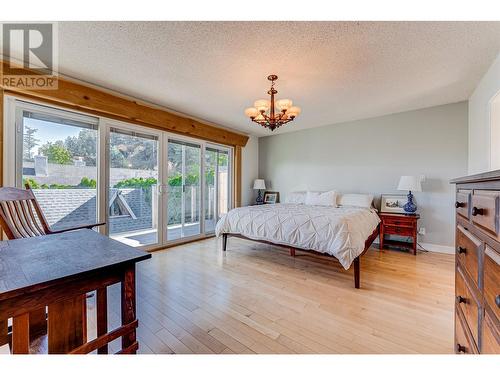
{"x":381,"y":238}
{"x":38,"y":322}
{"x":128,"y":307}
{"x":21,"y":334}
{"x":67,"y":324}
{"x":102,"y":317}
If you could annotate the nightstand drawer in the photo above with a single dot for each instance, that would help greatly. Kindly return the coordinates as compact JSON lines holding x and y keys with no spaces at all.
{"x":402,"y":231}
{"x":399,"y":222}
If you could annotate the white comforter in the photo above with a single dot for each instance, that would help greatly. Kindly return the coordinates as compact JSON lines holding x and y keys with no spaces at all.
{"x":340,"y":232}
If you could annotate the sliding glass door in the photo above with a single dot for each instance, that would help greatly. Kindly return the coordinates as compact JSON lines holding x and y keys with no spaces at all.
{"x":150,"y":187}
{"x":183,"y":189}
{"x":217,"y":185}
{"x":133,"y":190}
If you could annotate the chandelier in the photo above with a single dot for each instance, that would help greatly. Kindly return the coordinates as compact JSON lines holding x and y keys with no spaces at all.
{"x":272,"y":114}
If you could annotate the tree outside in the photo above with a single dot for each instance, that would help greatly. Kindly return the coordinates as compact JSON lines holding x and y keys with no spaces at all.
{"x":29,"y":142}
{"x":56,"y":152}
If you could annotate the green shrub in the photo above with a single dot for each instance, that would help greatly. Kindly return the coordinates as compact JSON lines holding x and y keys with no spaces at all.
{"x":88,"y":183}
{"x":31,"y":182}
{"x":85,"y":182}
{"x":136,"y":182}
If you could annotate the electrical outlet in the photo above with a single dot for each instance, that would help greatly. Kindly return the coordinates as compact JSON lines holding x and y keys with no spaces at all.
{"x":421,"y":231}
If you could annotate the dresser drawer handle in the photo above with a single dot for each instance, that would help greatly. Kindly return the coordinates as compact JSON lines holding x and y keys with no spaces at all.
{"x":459,"y":204}
{"x":462,"y":250}
{"x":497,"y":300}
{"x":461,"y":299}
{"x":477,"y":211}
{"x":461,"y":348}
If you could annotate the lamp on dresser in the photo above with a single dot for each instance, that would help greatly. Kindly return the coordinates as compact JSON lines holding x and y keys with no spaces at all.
{"x":259,"y":185}
{"x":410,"y":183}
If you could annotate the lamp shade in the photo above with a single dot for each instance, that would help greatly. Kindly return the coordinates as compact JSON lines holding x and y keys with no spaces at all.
{"x":252,"y":112}
{"x":409,"y":183}
{"x":293,"y":111}
{"x":262,"y":104}
{"x":259,"y":184}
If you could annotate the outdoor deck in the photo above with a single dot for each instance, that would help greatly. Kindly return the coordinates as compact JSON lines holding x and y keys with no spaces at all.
{"x":174,"y":232}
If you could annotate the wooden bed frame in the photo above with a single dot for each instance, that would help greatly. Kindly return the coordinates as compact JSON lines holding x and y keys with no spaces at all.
{"x":368,"y":243}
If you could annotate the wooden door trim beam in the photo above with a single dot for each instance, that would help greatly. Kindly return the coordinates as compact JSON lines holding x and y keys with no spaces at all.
{"x":82,"y":97}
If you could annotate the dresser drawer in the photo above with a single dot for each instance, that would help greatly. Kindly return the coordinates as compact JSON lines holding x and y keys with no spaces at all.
{"x":402,"y":231}
{"x":491,"y":336}
{"x":462,"y":344}
{"x":467,"y":251}
{"x":462,"y":203}
{"x":492,"y":280}
{"x":484,"y":210}
{"x":466,"y":302}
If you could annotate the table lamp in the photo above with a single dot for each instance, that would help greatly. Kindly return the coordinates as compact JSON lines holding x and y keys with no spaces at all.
{"x":259,"y":185}
{"x":410,"y":183}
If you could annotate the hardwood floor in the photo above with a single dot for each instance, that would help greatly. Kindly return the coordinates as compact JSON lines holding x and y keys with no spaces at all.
{"x":254,"y":299}
{"x":257,"y":299}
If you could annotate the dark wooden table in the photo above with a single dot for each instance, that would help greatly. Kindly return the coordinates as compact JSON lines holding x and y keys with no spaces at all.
{"x":56,"y":271}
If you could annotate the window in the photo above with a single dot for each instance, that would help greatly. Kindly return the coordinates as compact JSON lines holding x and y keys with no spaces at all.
{"x":57,"y":156}
{"x":217,"y":185}
{"x":184,"y":189}
{"x":133,"y":192}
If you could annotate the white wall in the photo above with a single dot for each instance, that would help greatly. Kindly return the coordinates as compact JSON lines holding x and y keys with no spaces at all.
{"x":249,"y":170}
{"x":369,"y":156}
{"x":479,"y":120}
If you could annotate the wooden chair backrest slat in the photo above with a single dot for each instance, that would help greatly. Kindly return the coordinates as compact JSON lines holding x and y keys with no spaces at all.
{"x":20,"y":214}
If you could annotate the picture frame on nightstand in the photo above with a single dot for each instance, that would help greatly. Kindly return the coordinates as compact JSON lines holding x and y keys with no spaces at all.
{"x":271,"y":197}
{"x":393,"y":203}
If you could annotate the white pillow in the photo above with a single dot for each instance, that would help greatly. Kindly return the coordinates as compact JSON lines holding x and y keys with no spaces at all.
{"x":328,"y":198}
{"x":297,"y":197}
{"x":356,"y":200}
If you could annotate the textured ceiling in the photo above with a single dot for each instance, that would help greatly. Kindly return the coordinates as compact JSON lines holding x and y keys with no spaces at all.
{"x":335,"y":71}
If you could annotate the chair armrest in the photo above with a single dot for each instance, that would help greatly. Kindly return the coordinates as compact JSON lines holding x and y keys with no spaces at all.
{"x":85,"y":226}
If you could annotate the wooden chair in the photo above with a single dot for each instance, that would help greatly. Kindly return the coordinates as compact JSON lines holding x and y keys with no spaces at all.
{"x":21,"y":217}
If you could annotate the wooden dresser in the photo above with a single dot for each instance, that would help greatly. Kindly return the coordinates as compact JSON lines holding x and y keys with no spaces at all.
{"x":477,"y":273}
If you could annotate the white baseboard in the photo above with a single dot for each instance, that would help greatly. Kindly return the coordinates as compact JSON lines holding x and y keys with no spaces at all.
{"x":437,"y":248}
{"x":430,"y":247}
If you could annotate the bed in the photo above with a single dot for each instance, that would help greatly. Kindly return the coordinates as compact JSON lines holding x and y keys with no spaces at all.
{"x":344,"y":232}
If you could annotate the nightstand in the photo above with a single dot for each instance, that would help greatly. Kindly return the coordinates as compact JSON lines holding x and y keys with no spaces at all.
{"x":401,"y":225}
